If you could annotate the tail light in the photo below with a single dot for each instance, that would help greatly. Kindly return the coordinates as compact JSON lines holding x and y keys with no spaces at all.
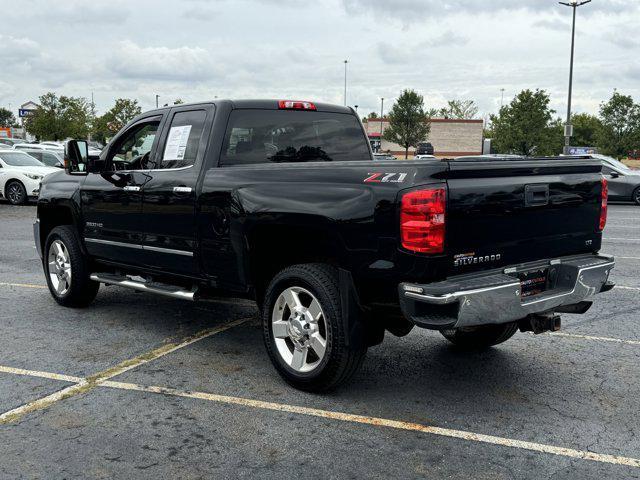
{"x":295,"y":105}
{"x":422,"y":220}
{"x":603,"y":204}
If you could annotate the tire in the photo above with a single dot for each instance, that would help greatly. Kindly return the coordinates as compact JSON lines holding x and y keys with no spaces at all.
{"x":15,"y":193}
{"x":480,"y":338}
{"x":635,"y":196}
{"x":66,"y":269}
{"x":327,"y":361}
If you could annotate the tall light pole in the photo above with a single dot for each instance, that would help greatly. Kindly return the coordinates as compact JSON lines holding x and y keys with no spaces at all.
{"x":381,"y":116}
{"x":345,"y":82}
{"x":501,"y":97}
{"x":157,"y":97}
{"x":568,"y":128}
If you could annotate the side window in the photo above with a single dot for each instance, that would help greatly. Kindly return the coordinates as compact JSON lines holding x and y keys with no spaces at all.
{"x":133,"y":150}
{"x":607,"y":171}
{"x":183,"y":140}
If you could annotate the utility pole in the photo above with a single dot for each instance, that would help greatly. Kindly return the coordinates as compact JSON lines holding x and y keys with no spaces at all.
{"x":345,"y":82}
{"x":501,"y":97}
{"x":568,"y":128}
{"x":381,"y":116}
{"x":157,"y":97}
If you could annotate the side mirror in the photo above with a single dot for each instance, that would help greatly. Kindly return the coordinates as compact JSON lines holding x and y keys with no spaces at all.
{"x":614,"y":174}
{"x":76,"y":157}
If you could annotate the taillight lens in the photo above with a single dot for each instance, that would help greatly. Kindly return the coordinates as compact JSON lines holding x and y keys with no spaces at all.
{"x":603,"y":204}
{"x":422,"y":220}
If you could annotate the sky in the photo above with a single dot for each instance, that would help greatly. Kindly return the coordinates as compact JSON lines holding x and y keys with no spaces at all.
{"x":289,"y":49}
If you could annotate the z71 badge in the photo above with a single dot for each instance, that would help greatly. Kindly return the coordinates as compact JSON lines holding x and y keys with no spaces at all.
{"x":383,"y":177}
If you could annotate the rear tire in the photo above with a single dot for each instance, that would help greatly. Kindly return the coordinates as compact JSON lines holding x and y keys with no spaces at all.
{"x":480,"y":338}
{"x":66,"y":269}
{"x":636,"y":196}
{"x":304,"y":331}
{"x":16,"y":193}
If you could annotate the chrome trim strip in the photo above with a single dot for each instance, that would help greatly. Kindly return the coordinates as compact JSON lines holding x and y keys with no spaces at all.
{"x":140,"y":247}
{"x":168,"y":250}
{"x":115,"y":244}
{"x":451,"y":297}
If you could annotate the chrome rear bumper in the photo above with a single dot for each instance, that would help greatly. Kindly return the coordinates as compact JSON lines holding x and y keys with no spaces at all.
{"x":494,"y":297}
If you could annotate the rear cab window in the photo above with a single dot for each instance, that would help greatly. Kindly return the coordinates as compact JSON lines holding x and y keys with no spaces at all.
{"x":257,"y":136}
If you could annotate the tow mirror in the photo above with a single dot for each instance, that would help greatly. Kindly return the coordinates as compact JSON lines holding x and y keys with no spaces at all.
{"x":76,"y":157}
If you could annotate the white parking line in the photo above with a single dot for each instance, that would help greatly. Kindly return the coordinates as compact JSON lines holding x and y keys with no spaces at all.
{"x":598,"y":339}
{"x":627,"y":258}
{"x":23,"y":285}
{"x":618,"y":239}
{"x":86,"y":384}
{"x":624,"y":287}
{"x":35,"y":373}
{"x":383,"y":422}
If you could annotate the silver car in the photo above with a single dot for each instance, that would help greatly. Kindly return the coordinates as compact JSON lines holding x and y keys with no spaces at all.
{"x":624,"y":182}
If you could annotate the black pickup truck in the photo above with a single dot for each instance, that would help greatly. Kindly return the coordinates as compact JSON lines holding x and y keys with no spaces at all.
{"x":281,"y":202}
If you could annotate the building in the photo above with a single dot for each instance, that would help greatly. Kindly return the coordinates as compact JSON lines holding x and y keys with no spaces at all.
{"x":449,"y":137}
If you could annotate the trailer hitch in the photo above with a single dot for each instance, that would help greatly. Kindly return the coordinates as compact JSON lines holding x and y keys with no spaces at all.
{"x":540,"y":323}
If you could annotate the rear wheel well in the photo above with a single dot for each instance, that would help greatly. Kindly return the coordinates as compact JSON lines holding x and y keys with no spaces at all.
{"x":273,"y":248}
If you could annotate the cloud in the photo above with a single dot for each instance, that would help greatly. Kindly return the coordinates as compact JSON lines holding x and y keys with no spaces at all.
{"x":199,"y":13}
{"x":394,"y":54}
{"x":161,"y":63}
{"x":18,"y":49}
{"x":554,"y":24}
{"x":79,"y":13}
{"x":624,"y":40}
{"x":415,"y":11}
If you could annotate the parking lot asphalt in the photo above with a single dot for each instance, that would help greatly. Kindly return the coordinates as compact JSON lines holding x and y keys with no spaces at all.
{"x":139,"y":386}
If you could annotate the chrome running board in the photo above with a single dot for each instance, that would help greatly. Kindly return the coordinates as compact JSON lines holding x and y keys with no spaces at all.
{"x":142,"y":286}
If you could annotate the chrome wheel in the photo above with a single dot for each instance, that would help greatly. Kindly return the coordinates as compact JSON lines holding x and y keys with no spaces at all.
{"x":636,"y":196}
{"x":15,"y":193}
{"x":59,"y":267}
{"x":299,"y":329}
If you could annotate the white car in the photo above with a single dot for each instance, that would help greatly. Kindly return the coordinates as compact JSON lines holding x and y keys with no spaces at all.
{"x":20,"y":176}
{"x":40,"y":146}
{"x":423,"y":156}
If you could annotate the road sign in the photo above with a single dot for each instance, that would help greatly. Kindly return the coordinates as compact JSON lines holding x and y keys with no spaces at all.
{"x":24,"y":112}
{"x":582,"y":150}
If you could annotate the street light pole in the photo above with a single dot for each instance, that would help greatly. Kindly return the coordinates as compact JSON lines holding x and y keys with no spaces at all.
{"x":381,"y":116}
{"x":501,"y":97}
{"x":157,"y":97}
{"x":345,"y":82}
{"x":568,"y":128}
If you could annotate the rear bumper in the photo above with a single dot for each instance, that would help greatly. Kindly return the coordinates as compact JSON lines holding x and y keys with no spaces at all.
{"x":494,"y":297}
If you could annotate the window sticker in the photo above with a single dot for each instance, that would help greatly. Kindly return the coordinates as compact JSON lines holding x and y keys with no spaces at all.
{"x":177,"y":143}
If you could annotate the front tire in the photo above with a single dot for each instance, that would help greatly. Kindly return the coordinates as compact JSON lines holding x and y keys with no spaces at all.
{"x":16,"y":193}
{"x":304,"y":331}
{"x":636,"y":196}
{"x":480,"y":338}
{"x":66,"y":269}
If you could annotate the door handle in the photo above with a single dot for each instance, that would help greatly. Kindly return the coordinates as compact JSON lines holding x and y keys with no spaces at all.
{"x":131,"y":188}
{"x":181,"y":189}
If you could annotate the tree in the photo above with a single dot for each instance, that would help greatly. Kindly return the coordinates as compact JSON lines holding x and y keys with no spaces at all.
{"x":585,"y":129}
{"x":7,"y":119}
{"x":371,"y":116}
{"x":526,"y":126}
{"x":178,"y":101}
{"x":459,"y":109}
{"x":112,"y":121}
{"x":620,"y":132}
{"x":58,"y":118}
{"x":408,"y":122}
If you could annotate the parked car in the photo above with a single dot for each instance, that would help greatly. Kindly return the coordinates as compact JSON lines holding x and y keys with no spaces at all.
{"x":624,"y":182}
{"x":383,"y":156}
{"x":424,"y":148}
{"x":423,"y":157}
{"x":50,"y":159}
{"x":10,"y":142}
{"x":281,"y":202}
{"x":20,"y":176}
{"x":39,"y":146}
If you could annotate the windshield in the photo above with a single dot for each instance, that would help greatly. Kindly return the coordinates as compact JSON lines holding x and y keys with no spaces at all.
{"x":617,"y":164}
{"x":19,"y":159}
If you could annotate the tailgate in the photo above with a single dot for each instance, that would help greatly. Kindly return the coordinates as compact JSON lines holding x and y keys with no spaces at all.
{"x":505,"y":212}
